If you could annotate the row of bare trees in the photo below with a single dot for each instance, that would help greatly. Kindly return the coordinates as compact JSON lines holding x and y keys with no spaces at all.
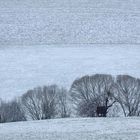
{"x":90,"y":92}
{"x":40,"y":103}
{"x":11,"y":112}
{"x":45,"y":103}
{"x":116,"y":94}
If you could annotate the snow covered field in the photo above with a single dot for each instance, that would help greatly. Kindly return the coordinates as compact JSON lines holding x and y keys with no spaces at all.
{"x":73,"y":129}
{"x":55,"y":41}
{"x":23,"y":68}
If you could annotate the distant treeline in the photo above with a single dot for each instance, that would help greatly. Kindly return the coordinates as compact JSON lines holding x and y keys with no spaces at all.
{"x":88,"y":96}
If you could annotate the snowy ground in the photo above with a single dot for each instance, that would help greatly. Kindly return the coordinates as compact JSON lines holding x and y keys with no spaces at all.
{"x":23,"y":68}
{"x":73,"y":129}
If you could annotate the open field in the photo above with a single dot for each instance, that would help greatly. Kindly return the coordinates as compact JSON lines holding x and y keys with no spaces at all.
{"x":73,"y":129}
{"x":56,"y":41}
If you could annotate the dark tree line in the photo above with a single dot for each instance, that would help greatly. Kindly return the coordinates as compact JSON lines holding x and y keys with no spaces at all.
{"x":91,"y":92}
{"x":45,"y":103}
{"x":37,"y":104}
{"x":11,"y":112}
{"x":90,"y":96}
{"x":127,"y":94}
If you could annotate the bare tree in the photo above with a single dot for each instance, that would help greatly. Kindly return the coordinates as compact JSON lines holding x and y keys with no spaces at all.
{"x":115,"y":110}
{"x":0,"y":110}
{"x":11,"y":112}
{"x":31,"y":104}
{"x":90,"y":92}
{"x":49,"y":101}
{"x":127,"y":93}
{"x":63,"y":103}
{"x":40,"y":103}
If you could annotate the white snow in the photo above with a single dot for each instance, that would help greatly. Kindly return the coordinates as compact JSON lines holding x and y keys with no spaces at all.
{"x":73,"y":129}
{"x":55,"y":41}
{"x":23,"y":68}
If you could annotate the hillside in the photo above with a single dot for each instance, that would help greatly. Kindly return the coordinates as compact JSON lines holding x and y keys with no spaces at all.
{"x":37,"y":22}
{"x":73,"y":129}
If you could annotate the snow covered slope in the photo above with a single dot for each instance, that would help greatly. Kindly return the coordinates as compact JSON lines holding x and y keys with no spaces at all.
{"x":69,"y":22}
{"x":73,"y":129}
